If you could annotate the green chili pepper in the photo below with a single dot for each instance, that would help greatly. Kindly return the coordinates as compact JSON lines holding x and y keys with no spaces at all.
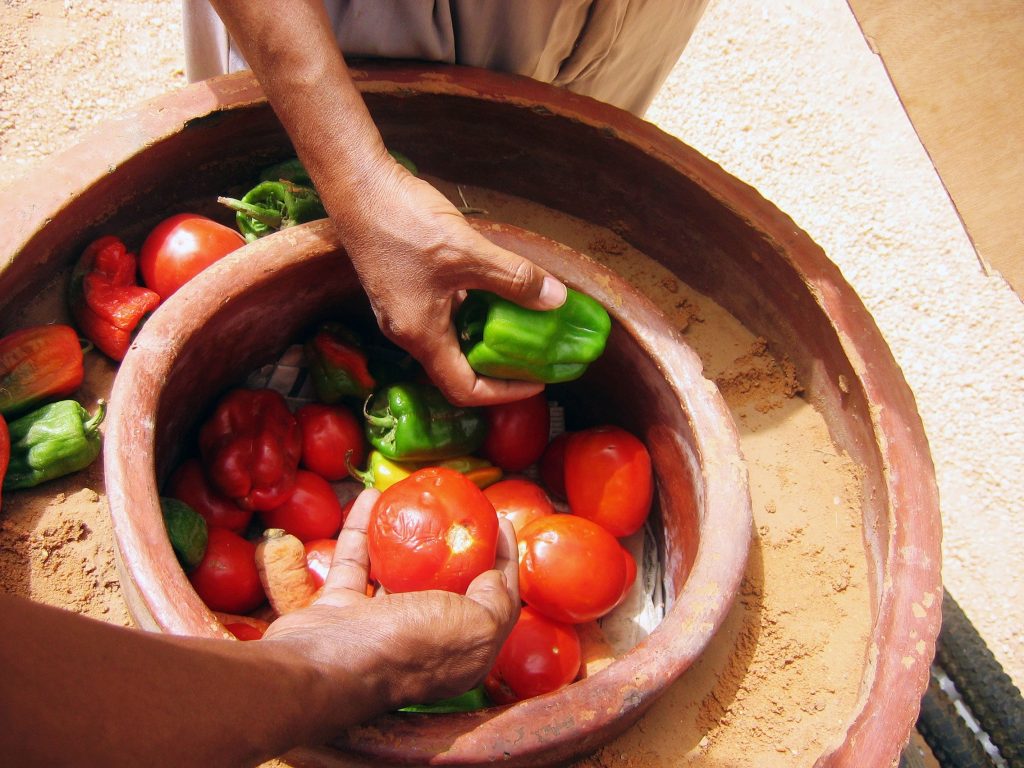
{"x":507,"y":341}
{"x":414,"y":422}
{"x":470,"y":701}
{"x":274,"y":205}
{"x":338,"y":365}
{"x":52,"y":441}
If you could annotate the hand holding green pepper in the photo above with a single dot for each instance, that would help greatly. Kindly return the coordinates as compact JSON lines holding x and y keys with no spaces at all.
{"x":506,"y":341}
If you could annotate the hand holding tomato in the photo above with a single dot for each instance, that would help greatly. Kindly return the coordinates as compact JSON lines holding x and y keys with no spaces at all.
{"x":433,"y":530}
{"x":412,"y":647}
{"x":182,"y":246}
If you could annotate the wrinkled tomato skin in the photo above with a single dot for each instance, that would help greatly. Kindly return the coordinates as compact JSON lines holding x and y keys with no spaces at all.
{"x":312,"y":511}
{"x":552,"y":466}
{"x":517,"y":432}
{"x":319,"y":555}
{"x":519,"y":500}
{"x":329,"y":432}
{"x":180,"y":247}
{"x":608,"y":478}
{"x":570,"y":569}
{"x":226,"y":579}
{"x":540,"y":656}
{"x":189,"y":484}
{"x":433,"y":530}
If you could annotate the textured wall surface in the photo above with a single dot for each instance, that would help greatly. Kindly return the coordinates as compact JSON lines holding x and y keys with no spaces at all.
{"x":789,"y":97}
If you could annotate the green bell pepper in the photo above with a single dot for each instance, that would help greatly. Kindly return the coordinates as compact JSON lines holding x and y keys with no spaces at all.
{"x":274,"y":205}
{"x":470,"y":701}
{"x":52,"y":441}
{"x":414,"y":422}
{"x":506,"y":341}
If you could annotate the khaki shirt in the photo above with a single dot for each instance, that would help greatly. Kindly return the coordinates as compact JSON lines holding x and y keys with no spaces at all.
{"x":617,"y":51}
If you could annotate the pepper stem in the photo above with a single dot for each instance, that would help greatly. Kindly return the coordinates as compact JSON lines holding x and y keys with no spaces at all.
{"x":363,"y":476}
{"x":262,"y":215}
{"x":97,"y":418}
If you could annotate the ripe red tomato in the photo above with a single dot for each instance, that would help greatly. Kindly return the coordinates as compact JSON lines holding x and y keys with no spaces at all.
{"x":518,"y":500}
{"x":189,"y":484}
{"x":182,"y":246}
{"x":570,"y":569}
{"x":329,"y":432}
{"x":227,"y":579}
{"x":319,"y":554}
{"x":608,"y":478}
{"x":517,"y":432}
{"x":539,"y":656}
{"x":552,"y":466}
{"x":433,"y":530}
{"x":312,"y":511}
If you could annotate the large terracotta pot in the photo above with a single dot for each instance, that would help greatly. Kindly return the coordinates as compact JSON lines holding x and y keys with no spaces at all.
{"x":602,"y":165}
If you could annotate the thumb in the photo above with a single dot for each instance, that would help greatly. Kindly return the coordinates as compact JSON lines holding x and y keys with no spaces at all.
{"x":491,"y":591}
{"x":517,"y":279}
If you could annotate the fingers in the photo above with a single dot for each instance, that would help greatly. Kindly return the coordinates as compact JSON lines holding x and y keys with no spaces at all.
{"x":497,"y":590}
{"x":448,"y":368}
{"x":350,"y":567}
{"x":507,"y":560}
{"x":515,"y":278}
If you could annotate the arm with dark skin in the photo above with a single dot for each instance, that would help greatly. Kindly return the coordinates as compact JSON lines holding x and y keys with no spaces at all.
{"x":75,"y":690}
{"x":412,"y":249}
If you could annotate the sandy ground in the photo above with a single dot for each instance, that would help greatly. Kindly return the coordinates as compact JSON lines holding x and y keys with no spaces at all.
{"x":789,"y":98}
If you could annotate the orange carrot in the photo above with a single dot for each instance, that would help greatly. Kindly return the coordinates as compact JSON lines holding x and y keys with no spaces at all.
{"x":281,"y":561}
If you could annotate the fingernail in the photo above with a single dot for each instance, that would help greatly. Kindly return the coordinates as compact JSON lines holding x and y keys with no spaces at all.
{"x":552,"y":292}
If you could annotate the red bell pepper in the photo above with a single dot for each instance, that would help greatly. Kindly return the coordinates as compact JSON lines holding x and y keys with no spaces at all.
{"x":251,"y":447}
{"x":106,"y":301}
{"x":189,"y":484}
{"x":5,"y":452}
{"x":40,"y":363}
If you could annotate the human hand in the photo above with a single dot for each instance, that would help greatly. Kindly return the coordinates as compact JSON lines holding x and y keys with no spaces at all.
{"x":379,"y":654}
{"x":416,"y":256}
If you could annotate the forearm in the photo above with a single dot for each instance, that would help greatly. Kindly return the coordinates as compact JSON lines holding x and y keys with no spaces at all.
{"x":80,"y":690}
{"x":292,"y":51}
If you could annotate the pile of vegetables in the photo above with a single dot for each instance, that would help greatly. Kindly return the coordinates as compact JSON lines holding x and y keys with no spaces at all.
{"x":269,"y":489}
